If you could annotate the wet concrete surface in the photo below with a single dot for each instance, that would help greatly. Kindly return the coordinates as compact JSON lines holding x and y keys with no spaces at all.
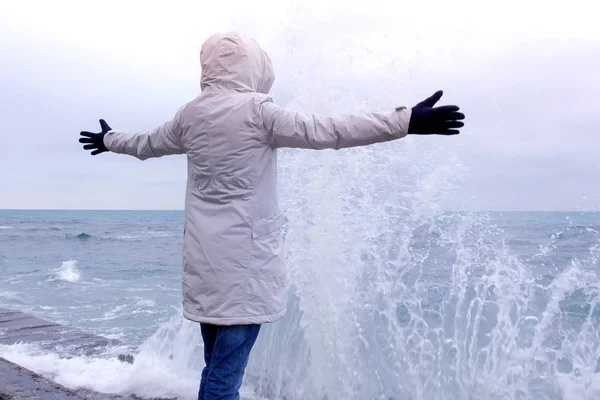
{"x":19,"y":383}
{"x":18,"y":327}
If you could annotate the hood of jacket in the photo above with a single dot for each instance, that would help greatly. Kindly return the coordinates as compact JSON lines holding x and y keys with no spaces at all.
{"x":235,"y":61}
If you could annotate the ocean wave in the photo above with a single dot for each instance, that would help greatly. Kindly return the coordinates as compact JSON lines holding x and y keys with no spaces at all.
{"x":135,"y":237}
{"x":10,"y":295}
{"x":158,"y":234}
{"x":16,"y":278}
{"x":146,"y":303}
{"x":145,"y":306}
{"x":145,"y":235}
{"x":42,"y":229}
{"x":147,"y":376}
{"x":5,"y":227}
{"x":166,"y":365}
{"x":117,"y":312}
{"x":67,"y":272}
{"x":125,"y":237}
{"x":139,"y":306}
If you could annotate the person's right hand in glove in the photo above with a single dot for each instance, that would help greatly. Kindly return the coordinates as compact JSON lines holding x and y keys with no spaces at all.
{"x":428,"y":120}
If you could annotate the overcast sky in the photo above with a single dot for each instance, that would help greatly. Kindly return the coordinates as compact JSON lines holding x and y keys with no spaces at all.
{"x":525,"y":73}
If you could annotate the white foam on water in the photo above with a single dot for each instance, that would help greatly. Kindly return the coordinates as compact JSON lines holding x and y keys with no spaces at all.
{"x":18,"y":278}
{"x":144,"y":235}
{"x":114,"y":313}
{"x":147,"y":377}
{"x":158,"y":234}
{"x":167,"y":365}
{"x":8,"y":294}
{"x":68,"y":272}
{"x":5,"y":227}
{"x":145,"y":306}
{"x":146,"y":303}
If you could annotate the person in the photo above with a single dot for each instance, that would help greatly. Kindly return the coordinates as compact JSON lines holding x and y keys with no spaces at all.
{"x":234,"y":277}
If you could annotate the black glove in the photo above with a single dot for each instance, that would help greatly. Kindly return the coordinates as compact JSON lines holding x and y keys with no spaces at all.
{"x":95,"y":140}
{"x":427,"y":120}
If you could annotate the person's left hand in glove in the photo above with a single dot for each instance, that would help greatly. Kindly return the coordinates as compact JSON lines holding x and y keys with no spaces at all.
{"x":95,"y":141}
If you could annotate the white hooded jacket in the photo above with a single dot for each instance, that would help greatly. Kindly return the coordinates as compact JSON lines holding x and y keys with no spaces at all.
{"x":233,"y":251}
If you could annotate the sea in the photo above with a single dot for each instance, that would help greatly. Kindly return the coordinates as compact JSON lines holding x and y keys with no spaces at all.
{"x":390,"y":298}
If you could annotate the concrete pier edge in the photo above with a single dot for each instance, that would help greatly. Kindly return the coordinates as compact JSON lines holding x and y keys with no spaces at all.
{"x":19,"y":383}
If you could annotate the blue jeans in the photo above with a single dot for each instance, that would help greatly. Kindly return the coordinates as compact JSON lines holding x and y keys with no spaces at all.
{"x":226,"y":353}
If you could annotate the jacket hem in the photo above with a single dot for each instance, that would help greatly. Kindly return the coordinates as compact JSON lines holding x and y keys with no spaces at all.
{"x":241,"y":320}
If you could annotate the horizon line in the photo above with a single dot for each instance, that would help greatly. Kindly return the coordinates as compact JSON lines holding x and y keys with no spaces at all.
{"x":182,"y":210}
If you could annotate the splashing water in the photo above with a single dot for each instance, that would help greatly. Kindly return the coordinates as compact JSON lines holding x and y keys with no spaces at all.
{"x":395,"y":299}
{"x":67,"y":272}
{"x":434,"y":308}
{"x":421,"y":305}
{"x":166,"y":366}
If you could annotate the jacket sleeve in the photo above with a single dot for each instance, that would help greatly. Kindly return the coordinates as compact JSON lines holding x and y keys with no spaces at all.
{"x":288,"y":128}
{"x":162,"y":141}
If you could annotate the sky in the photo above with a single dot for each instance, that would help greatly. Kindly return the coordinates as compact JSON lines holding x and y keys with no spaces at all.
{"x":524,"y":72}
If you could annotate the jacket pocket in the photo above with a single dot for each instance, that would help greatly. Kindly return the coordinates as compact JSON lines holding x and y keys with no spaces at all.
{"x":264,"y":226}
{"x":267,"y":248}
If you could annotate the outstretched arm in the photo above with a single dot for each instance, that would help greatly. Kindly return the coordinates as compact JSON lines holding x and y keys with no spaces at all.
{"x":164,"y":140}
{"x":288,"y":128}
